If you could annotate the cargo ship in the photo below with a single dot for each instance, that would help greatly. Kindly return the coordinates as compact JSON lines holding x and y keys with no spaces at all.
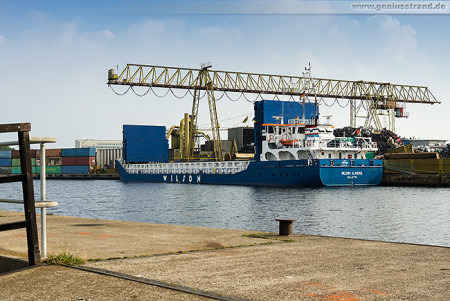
{"x":298,"y":153}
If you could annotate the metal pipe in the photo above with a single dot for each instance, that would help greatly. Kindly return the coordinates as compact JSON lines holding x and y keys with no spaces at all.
{"x":43,"y":198}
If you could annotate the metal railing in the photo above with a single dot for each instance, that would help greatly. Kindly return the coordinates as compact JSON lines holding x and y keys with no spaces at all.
{"x":231,"y":167}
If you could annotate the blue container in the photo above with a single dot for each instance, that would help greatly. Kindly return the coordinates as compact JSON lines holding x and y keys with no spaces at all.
{"x":146,"y":150}
{"x":143,"y":131}
{"x":6,"y":154}
{"x":285,"y":109}
{"x":75,"y":169}
{"x":5,"y":162}
{"x":78,"y":152}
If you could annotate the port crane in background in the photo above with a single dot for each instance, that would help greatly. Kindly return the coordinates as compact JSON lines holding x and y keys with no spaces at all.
{"x":374,"y":98}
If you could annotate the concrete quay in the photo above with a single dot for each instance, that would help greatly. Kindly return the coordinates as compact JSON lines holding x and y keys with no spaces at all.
{"x":141,"y":261}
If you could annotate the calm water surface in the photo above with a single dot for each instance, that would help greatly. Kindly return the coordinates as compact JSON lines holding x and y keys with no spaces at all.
{"x":401,"y":214}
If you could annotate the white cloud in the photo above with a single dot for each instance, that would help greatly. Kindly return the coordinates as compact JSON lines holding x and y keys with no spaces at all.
{"x":106,"y":33}
{"x":401,"y":40}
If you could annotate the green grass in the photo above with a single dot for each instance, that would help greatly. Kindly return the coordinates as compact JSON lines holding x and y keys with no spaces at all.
{"x":263,"y":235}
{"x":63,"y":258}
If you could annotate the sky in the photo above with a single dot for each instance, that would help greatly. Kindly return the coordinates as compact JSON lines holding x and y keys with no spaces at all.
{"x":54,"y":58}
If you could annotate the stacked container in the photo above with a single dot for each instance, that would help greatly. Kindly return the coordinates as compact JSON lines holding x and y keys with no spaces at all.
{"x":77,"y":160}
{"x":53,"y":161}
{"x":5,"y":162}
{"x":15,"y":161}
{"x":145,"y":143}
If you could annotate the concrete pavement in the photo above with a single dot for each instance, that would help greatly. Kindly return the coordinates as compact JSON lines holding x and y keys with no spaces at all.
{"x":299,"y":268}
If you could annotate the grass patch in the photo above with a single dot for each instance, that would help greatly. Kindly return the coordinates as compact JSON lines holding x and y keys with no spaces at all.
{"x":288,"y":240}
{"x":63,"y":258}
{"x":262,"y":235}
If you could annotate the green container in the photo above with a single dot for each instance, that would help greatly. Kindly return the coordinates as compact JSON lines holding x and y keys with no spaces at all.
{"x":18,"y":170}
{"x":370,"y":155}
{"x":49,"y":169}
{"x":16,"y":162}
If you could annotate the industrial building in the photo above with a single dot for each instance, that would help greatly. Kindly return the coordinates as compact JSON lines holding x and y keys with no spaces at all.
{"x":98,"y":144}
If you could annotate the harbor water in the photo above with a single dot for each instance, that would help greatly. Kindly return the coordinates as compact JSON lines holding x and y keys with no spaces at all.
{"x":398,"y":214}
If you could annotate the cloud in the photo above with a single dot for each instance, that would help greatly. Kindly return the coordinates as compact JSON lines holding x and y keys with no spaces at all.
{"x":106,"y":33}
{"x":2,"y":40}
{"x":400,"y":39}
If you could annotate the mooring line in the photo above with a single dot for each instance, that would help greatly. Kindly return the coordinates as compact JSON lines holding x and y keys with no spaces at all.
{"x":158,"y":283}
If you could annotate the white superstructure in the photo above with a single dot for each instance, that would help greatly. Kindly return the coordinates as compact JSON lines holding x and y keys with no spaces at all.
{"x":295,"y":141}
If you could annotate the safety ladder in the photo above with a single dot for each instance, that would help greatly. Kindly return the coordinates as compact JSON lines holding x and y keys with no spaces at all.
{"x":26,"y":177}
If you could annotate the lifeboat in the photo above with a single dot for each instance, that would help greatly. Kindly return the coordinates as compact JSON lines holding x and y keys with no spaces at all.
{"x":287,"y":142}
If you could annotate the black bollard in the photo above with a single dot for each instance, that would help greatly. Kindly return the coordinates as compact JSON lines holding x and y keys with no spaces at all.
{"x":285,"y":225}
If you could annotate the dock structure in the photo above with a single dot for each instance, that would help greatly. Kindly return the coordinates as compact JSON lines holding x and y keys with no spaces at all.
{"x":26,"y":178}
{"x":43,"y":203}
{"x":130,"y":260}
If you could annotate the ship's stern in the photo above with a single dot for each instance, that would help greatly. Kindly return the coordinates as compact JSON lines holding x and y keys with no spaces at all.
{"x":356,"y":172}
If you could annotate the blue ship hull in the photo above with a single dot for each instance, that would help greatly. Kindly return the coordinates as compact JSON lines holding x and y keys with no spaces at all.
{"x":290,"y":173}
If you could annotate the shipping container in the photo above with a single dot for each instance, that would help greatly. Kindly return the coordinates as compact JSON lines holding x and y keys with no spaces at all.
{"x":18,"y":170}
{"x":77,"y":161}
{"x":75,"y":169}
{"x":5,"y":154}
{"x":78,"y":152}
{"x":56,"y":152}
{"x":274,"y":111}
{"x":35,"y":153}
{"x":16,"y":162}
{"x":5,"y":170}
{"x":5,"y":162}
{"x":146,"y":150}
{"x":49,"y":169}
{"x":143,"y":131}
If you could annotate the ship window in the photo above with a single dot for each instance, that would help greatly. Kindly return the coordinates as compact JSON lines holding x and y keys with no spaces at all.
{"x":270,"y":130}
{"x":263,"y":138}
{"x":301,"y":130}
{"x":329,"y":156}
{"x":259,"y":174}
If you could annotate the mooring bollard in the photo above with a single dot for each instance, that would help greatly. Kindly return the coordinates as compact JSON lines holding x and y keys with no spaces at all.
{"x":285,"y":225}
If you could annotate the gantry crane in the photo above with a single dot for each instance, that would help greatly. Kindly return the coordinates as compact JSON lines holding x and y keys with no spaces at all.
{"x":374,"y":97}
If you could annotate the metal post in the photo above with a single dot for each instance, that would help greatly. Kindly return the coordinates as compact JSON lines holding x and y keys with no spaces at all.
{"x":43,"y":198}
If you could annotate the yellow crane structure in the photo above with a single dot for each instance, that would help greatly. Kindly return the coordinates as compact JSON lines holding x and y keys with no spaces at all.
{"x":374,"y":97}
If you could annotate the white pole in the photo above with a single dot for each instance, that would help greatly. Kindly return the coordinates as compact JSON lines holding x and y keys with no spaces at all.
{"x":43,"y":197}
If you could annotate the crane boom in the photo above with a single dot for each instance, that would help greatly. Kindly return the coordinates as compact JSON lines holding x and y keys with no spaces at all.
{"x":185,"y":78}
{"x":380,"y":98}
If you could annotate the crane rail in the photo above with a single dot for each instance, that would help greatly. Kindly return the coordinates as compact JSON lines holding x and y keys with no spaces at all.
{"x":186,"y":78}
